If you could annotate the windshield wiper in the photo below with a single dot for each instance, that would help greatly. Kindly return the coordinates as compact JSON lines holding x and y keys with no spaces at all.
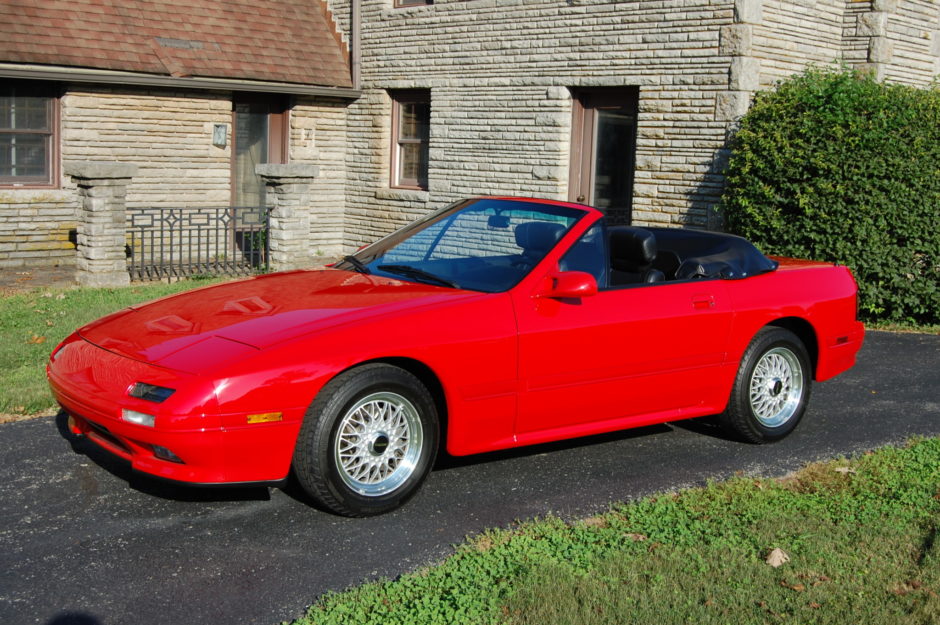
{"x":357,"y":264}
{"x":414,"y":272}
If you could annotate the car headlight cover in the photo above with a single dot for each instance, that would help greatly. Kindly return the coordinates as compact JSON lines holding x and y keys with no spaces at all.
{"x":151,"y":392}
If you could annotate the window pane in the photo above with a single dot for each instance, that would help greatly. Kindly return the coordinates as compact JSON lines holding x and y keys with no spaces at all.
{"x":251,"y":148}
{"x":23,"y":113}
{"x":414,"y":161}
{"x":415,"y":119}
{"x":24,"y":155}
{"x":614,"y":160}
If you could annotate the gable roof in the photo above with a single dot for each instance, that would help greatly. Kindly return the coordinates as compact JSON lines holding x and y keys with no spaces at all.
{"x":290,"y":41}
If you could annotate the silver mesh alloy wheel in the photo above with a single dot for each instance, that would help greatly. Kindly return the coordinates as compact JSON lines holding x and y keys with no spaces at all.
{"x":776,"y":387}
{"x":378,"y":443}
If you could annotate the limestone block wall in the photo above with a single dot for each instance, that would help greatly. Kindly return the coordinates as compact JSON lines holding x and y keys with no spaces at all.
{"x":318,"y":137}
{"x":795,"y":33}
{"x":913,"y":28}
{"x":37,"y":227}
{"x":168,"y":135}
{"x":501,"y":74}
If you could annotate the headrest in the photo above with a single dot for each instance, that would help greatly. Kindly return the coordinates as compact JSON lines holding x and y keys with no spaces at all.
{"x":635,"y":245}
{"x":538,"y":236}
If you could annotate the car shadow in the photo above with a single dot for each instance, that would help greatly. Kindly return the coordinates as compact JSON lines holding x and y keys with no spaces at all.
{"x":169,"y":490}
{"x":445,"y":461}
{"x":154,"y":486}
{"x":706,"y":426}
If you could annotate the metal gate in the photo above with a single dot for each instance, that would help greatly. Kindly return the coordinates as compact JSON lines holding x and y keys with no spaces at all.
{"x":184,"y":242}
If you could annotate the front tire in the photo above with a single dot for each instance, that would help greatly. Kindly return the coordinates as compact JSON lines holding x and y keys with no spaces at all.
{"x":367,"y":441}
{"x":772,"y":388}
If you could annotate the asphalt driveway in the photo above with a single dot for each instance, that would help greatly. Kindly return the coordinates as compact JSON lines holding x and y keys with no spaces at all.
{"x":84,"y":541}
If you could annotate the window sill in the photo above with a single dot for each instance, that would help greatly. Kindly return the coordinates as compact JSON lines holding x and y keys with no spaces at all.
{"x":405,"y":195}
{"x":6,"y":185}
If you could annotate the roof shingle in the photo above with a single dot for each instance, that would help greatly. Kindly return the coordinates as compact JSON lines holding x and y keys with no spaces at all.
{"x":291,"y":41}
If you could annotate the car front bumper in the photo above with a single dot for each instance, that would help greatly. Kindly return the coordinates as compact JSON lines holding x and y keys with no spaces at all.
{"x":91,"y":385}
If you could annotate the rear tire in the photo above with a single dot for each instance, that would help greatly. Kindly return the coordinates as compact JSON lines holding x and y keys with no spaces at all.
{"x":772,"y":388}
{"x":368,"y":441}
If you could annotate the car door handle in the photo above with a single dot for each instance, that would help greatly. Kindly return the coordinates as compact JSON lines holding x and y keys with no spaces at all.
{"x":703,"y":302}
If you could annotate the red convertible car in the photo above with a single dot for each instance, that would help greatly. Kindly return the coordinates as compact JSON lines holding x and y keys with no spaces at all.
{"x":491,"y":323}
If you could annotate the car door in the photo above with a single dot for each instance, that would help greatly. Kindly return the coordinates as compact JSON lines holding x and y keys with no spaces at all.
{"x":638,"y":354}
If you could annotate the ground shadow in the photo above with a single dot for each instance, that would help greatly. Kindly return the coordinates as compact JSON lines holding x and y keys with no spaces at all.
{"x":446,"y":461}
{"x":706,"y":426}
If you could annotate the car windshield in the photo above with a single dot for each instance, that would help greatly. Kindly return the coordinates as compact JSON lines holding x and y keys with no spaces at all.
{"x":484,"y":245}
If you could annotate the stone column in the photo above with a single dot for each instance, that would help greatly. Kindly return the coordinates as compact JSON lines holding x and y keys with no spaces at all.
{"x":289,"y":200}
{"x":744,"y":71}
{"x":874,"y":25}
{"x":102,"y":189}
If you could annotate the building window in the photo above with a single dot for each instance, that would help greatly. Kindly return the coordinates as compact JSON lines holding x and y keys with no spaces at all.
{"x":411,"y":123}
{"x":412,"y":3}
{"x":28,"y":134}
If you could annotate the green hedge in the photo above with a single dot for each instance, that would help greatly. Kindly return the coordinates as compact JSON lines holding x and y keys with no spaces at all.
{"x":833,"y":165}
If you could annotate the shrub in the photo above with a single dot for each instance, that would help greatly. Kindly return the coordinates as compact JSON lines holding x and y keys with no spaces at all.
{"x":835,"y":166}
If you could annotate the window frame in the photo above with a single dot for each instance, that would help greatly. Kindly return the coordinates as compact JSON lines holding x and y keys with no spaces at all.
{"x":397,"y":180}
{"x":401,"y":4}
{"x":53,"y":134}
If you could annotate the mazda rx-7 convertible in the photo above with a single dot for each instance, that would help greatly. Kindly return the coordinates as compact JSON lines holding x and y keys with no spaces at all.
{"x":491,"y":323}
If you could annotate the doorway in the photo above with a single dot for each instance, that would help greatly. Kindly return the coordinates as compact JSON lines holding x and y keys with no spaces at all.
{"x":260,"y":136}
{"x":603,"y":150}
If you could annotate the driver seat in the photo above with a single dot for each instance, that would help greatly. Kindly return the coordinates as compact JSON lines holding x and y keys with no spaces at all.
{"x":632,"y":252}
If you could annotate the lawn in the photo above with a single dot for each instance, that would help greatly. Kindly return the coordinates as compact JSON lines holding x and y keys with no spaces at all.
{"x":32,"y":324}
{"x":860,"y":537}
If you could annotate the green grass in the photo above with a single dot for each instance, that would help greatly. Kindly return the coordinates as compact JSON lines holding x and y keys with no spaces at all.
{"x":861,"y":537}
{"x":33,"y":323}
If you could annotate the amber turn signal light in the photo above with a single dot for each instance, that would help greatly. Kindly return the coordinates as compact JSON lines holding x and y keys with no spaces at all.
{"x":265,"y":417}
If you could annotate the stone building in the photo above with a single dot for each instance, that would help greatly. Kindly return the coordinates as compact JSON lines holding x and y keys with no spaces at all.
{"x":626,"y":104}
{"x":406,"y":105}
{"x":193,"y":94}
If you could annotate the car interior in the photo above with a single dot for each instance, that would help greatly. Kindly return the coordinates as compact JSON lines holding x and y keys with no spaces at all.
{"x":642,"y":256}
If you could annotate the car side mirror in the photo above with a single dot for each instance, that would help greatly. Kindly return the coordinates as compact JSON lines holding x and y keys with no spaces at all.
{"x":568,"y":285}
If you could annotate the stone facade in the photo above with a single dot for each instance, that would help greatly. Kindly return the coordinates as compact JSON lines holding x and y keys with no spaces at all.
{"x":167,"y":135}
{"x":37,"y":227}
{"x":501,"y":75}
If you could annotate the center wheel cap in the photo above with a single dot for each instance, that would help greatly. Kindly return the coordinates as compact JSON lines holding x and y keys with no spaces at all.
{"x":379,"y":444}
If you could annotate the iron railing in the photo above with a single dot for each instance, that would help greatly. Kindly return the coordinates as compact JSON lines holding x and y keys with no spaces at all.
{"x":184,"y":242}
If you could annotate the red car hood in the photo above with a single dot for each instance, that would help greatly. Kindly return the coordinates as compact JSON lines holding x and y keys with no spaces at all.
{"x":195,"y":330}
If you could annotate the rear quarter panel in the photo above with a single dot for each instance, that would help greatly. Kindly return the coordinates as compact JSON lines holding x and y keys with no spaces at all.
{"x":820,"y":294}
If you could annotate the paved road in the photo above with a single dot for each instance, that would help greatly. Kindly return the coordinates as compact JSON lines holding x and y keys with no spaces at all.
{"x":84,"y":542}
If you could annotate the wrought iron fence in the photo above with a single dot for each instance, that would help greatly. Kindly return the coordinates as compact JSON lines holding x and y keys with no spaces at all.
{"x":184,"y":242}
